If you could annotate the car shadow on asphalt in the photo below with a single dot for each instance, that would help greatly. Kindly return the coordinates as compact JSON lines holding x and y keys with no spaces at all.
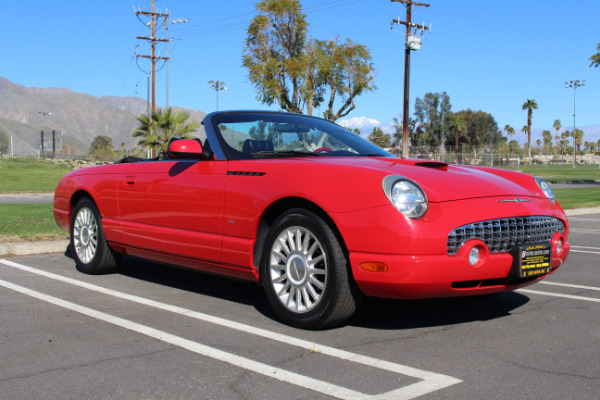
{"x":373,"y":313}
{"x":203,"y":283}
{"x":390,"y":314}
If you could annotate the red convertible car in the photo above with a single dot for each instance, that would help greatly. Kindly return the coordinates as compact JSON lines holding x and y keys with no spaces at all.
{"x":317,"y":215}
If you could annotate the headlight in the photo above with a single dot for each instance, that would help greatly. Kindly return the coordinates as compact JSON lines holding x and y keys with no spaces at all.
{"x":406,"y":196}
{"x":545,"y":188}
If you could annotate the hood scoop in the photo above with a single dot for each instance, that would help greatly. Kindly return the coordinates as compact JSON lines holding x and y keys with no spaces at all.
{"x":432,"y":164}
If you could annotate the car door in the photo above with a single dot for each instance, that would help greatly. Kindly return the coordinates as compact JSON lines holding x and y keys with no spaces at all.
{"x":174,"y":207}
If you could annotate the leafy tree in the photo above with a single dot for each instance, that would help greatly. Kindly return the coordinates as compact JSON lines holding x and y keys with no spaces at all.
{"x":101,"y":148}
{"x":156,"y":131}
{"x":399,"y":134}
{"x":595,"y":59}
{"x":482,"y":129}
{"x":429,"y":113}
{"x":287,"y":68}
{"x":529,"y":105}
{"x":4,"y":142}
{"x":345,"y":69}
{"x":379,"y":138}
{"x":274,"y":54}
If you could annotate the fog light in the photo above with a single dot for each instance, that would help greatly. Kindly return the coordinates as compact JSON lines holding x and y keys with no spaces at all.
{"x":474,"y":256}
{"x":559,"y":246}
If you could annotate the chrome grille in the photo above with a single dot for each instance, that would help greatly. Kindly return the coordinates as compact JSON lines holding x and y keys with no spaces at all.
{"x":500,"y":235}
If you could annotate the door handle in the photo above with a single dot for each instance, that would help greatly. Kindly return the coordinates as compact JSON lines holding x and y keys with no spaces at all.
{"x":130,"y":181}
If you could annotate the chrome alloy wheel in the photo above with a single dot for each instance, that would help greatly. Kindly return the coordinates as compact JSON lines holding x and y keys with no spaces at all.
{"x":298,"y":269}
{"x":85,"y":235}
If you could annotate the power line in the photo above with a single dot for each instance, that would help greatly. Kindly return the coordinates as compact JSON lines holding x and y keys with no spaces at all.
{"x":206,"y":30}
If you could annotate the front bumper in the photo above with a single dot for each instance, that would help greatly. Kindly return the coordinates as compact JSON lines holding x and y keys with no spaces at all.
{"x":416,"y":254}
{"x":414,"y":277}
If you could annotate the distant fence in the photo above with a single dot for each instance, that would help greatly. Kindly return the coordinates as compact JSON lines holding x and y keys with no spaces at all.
{"x":501,"y":159}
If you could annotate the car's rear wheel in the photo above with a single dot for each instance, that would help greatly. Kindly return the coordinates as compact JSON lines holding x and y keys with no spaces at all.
{"x":305,"y":274}
{"x":89,"y":249}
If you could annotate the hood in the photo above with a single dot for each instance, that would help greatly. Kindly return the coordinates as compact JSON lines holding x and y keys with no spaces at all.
{"x":444,"y":182}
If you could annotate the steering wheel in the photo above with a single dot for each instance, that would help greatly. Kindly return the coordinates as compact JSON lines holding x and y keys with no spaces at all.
{"x":322,"y":149}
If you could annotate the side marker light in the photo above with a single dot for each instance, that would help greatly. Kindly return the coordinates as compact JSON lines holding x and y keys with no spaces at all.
{"x":374,"y":266}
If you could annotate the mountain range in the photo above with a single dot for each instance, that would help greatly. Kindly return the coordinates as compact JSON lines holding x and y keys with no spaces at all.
{"x":25,"y":111}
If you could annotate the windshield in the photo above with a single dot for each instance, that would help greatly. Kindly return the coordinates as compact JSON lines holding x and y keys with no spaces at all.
{"x":249,"y":135}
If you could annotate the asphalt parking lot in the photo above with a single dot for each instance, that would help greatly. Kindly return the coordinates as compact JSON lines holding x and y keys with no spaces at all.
{"x":156,"y":332}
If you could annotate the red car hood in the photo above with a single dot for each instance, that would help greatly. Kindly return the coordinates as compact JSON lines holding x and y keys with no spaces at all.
{"x":443,"y":182}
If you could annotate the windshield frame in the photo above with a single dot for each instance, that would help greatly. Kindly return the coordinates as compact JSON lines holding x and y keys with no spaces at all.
{"x":360,"y":146}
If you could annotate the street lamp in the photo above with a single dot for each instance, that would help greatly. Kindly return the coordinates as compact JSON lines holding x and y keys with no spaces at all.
{"x":217,"y":85}
{"x":574,"y":84}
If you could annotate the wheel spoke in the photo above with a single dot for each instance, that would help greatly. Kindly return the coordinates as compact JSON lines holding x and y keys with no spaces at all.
{"x":298,"y":269}
{"x":85,"y":235}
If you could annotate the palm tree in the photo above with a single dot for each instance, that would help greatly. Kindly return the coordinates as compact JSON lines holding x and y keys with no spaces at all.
{"x":529,"y":105}
{"x":547,"y":140}
{"x":564,"y":142}
{"x":578,"y":139}
{"x":158,"y":130}
{"x":556,"y":125}
{"x":525,"y":146}
{"x":147,"y":132}
{"x":459,"y":125}
{"x":510,"y":131}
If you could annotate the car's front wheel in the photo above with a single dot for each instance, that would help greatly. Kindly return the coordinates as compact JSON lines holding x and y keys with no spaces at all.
{"x":89,"y":249}
{"x":305,"y":274}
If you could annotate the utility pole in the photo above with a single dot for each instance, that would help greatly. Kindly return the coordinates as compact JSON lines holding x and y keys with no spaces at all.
{"x":412,"y":43}
{"x":152,"y":39}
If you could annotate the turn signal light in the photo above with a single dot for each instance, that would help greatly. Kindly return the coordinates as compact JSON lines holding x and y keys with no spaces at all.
{"x":374,"y":266}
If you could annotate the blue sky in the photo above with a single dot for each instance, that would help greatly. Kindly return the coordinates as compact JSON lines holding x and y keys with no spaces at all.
{"x":487,"y":55}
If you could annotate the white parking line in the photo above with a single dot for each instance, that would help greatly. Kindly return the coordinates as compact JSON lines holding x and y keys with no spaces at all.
{"x":430,"y":381}
{"x":566,"y":296}
{"x":570,"y":285}
{"x":576,"y":249}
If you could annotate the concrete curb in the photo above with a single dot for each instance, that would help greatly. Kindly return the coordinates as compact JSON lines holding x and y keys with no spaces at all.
{"x":582,"y":211}
{"x":29,"y":248}
{"x":59,"y":246}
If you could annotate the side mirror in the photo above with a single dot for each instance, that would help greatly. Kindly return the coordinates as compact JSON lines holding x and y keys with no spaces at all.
{"x":186,"y":149}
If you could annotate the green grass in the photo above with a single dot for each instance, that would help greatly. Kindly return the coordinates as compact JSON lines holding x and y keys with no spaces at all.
{"x":28,"y":222}
{"x":578,"y":198}
{"x":563,"y":172}
{"x":31,"y":175}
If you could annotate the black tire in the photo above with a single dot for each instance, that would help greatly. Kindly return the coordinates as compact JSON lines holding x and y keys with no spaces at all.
{"x":89,"y":249}
{"x":305,"y":273}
